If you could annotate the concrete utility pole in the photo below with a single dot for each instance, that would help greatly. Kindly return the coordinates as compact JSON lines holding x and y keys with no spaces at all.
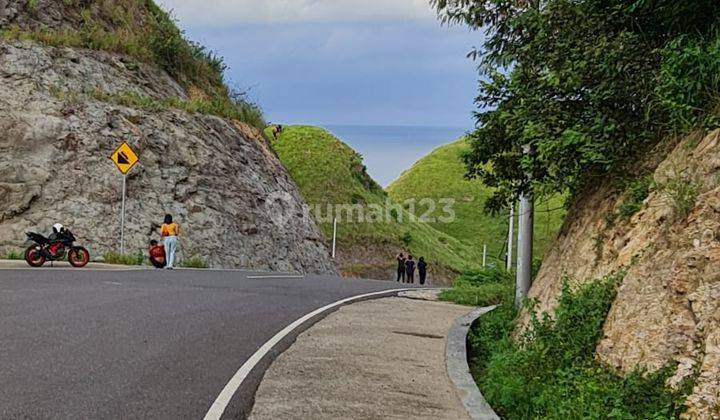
{"x":511,"y":237}
{"x":525,"y":244}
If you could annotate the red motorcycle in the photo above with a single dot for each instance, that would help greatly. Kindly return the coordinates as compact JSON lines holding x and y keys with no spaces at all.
{"x":55,"y":248}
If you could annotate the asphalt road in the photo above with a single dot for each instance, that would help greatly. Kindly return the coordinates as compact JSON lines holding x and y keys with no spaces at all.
{"x":142,"y":344}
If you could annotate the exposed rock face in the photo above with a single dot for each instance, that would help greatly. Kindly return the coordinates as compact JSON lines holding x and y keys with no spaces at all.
{"x":236,"y":203}
{"x":668,"y":306}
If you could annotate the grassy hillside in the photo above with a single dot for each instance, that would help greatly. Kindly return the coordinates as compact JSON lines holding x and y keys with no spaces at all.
{"x":329,"y":172}
{"x":139,"y":30}
{"x":441,"y":175}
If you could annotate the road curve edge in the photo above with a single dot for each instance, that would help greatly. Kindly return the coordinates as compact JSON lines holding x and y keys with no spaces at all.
{"x":459,"y":371}
{"x":217,"y":409}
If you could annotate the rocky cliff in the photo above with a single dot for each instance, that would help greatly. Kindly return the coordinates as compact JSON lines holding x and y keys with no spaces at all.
{"x":64,"y":110}
{"x":668,"y":306}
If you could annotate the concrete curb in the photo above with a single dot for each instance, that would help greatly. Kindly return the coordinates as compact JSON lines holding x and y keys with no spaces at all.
{"x":228,"y":404}
{"x":459,"y":371}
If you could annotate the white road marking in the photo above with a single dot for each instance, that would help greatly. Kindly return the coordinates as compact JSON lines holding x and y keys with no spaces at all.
{"x":218,"y":408}
{"x":276,"y":277}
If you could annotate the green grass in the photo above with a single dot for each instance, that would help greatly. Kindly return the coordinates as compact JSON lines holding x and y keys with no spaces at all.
{"x":552,"y":372}
{"x":222,"y":107}
{"x":115,"y":258}
{"x":329,"y":172}
{"x":12,"y":255}
{"x":142,"y":30}
{"x":492,"y":286}
{"x":441,"y":174}
{"x":195,"y":262}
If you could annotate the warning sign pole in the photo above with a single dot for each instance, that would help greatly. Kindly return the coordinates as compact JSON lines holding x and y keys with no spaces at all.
{"x":122,"y":216}
{"x":124,"y":158}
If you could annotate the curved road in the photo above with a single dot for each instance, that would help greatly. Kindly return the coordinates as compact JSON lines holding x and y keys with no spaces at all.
{"x":141,"y":343}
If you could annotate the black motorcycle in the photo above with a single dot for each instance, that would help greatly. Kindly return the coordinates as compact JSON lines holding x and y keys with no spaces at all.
{"x":55,"y":248}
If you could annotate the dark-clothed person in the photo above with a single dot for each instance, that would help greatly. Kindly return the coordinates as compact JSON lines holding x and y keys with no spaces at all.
{"x":410,"y":269}
{"x":422,"y":270}
{"x":400,"y":268}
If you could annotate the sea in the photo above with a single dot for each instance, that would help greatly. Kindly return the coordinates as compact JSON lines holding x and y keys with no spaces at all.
{"x":390,"y":150}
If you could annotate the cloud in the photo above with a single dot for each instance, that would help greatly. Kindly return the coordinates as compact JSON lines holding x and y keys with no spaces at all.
{"x":229,"y":12}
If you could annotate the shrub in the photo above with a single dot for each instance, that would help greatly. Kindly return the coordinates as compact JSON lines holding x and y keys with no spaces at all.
{"x":218,"y":107}
{"x":406,"y":239}
{"x":552,"y":372}
{"x":32,"y":6}
{"x":689,"y":82}
{"x":681,"y":190}
{"x":635,"y":194}
{"x":143,"y":30}
{"x":116,"y":258}
{"x":485,"y":287}
{"x":195,"y":262}
{"x":12,"y":255}
{"x":484,"y":276}
{"x":589,"y":85}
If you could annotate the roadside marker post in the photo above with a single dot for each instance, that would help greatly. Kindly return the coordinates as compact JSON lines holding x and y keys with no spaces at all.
{"x":334,"y":245}
{"x":124,"y":158}
{"x":484,"y":256}
{"x":511,"y":234}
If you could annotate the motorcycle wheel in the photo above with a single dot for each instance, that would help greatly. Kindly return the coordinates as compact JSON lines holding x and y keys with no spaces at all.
{"x":34,"y":258}
{"x":79,"y":257}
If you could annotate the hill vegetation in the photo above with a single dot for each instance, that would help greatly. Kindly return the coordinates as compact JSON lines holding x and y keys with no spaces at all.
{"x":141,"y":30}
{"x":330,"y":173}
{"x":441,"y":174}
{"x":614,"y":79}
{"x":602,"y":92}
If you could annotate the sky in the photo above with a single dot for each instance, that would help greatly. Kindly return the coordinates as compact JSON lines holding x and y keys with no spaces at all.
{"x":340,"y":62}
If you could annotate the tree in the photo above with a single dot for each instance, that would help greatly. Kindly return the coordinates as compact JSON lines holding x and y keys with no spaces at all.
{"x":574,"y":79}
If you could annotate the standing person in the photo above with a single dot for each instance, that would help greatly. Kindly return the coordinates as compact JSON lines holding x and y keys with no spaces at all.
{"x":422,"y":269}
{"x":410,"y":269}
{"x":400,"y":267}
{"x":170,"y":231}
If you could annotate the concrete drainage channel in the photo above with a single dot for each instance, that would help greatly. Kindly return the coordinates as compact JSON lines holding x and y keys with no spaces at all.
{"x":459,"y":370}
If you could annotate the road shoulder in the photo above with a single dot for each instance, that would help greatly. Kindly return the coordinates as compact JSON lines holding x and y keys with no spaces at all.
{"x":382,"y":358}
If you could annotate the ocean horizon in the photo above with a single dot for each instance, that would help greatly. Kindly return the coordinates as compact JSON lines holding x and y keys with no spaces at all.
{"x":390,"y":150}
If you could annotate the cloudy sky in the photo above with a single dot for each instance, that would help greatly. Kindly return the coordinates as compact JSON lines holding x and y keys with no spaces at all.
{"x":357,"y":62}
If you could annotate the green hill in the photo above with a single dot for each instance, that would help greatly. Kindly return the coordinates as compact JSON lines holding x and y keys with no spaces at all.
{"x":330,"y":173}
{"x":441,"y":174}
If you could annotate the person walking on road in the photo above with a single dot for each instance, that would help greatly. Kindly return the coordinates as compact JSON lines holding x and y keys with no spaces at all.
{"x":400,"y":267}
{"x":422,"y":270}
{"x":170,"y":231}
{"x":410,"y":269}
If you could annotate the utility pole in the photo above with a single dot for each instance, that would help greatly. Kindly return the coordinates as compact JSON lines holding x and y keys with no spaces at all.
{"x":484,"y":256}
{"x":525,"y":243}
{"x":511,"y":237}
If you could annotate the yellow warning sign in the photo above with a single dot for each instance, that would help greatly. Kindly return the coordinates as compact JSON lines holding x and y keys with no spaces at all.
{"x":124,"y":158}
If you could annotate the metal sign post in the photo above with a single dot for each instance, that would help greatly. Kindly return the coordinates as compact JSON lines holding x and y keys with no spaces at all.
{"x":124,"y":158}
{"x":122,"y":217}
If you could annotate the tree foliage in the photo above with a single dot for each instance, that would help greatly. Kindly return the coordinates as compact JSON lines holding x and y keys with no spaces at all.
{"x":580,"y":81}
